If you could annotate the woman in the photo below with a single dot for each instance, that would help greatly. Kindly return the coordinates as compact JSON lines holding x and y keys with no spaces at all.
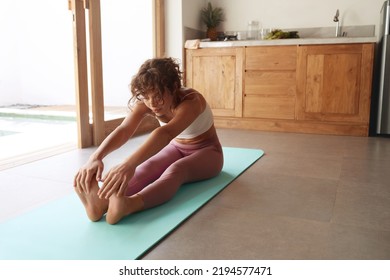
{"x":184,"y":148}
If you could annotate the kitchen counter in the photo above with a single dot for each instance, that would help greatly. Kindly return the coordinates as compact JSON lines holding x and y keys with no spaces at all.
{"x":286,"y":42}
{"x":312,"y":85}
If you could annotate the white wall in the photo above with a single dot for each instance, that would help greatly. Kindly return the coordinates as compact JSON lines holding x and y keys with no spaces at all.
{"x":281,"y":13}
{"x":191,"y":13}
{"x":298,"y":13}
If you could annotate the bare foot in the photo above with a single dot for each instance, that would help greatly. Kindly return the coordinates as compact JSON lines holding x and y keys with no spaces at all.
{"x":120,"y":207}
{"x":94,"y":206}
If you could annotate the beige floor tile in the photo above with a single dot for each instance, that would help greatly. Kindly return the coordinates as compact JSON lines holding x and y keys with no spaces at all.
{"x":224,"y":233}
{"x":281,"y":195}
{"x":359,"y":207}
{"x":324,"y":167}
{"x":377,"y":148}
{"x":356,"y":243}
{"x":373,"y":171}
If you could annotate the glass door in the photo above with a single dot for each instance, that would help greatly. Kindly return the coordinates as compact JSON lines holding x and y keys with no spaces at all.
{"x":111,"y":41}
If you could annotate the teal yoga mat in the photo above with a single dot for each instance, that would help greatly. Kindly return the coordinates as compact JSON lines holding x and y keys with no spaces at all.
{"x":60,"y":229}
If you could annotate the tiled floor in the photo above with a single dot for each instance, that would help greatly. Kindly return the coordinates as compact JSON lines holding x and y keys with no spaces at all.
{"x":309,"y":197}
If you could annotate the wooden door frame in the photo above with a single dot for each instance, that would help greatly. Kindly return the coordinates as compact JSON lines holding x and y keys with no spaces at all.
{"x":92,"y":134}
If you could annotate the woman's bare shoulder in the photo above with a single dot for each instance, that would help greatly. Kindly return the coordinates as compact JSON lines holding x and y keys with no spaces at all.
{"x":139,"y":109}
{"x":193,"y":98}
{"x":190,"y":94}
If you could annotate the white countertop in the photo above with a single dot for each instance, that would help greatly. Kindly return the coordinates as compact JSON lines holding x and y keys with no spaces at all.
{"x":281,"y":42}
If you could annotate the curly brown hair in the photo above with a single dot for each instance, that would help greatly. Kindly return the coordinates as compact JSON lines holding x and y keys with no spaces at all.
{"x":159,"y":76}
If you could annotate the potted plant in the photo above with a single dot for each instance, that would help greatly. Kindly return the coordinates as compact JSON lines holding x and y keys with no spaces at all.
{"x":212,"y":17}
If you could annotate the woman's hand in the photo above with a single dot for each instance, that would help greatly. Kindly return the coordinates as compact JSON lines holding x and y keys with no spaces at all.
{"x":116,"y":181}
{"x":83,"y":178}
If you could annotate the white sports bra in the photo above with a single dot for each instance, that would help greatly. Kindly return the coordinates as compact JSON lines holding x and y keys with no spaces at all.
{"x":199,"y":126}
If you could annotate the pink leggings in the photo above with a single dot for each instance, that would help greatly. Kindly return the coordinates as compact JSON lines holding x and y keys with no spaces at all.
{"x":158,"y":179}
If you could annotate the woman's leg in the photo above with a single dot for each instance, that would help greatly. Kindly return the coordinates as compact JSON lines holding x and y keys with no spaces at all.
{"x":151,"y":170}
{"x":201,"y":164}
{"x":145,"y":174}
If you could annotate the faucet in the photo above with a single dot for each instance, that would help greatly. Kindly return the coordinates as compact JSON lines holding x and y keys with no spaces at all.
{"x":336,"y":20}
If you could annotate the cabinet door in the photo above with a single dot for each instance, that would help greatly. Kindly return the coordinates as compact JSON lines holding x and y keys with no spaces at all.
{"x":270,"y":82}
{"x":217,"y":74}
{"x":334,"y":82}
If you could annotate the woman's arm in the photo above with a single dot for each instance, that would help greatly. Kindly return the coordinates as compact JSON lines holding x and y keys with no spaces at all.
{"x":122,"y":133}
{"x":184,"y":115}
{"x":117,"y":179}
{"x":94,"y":166}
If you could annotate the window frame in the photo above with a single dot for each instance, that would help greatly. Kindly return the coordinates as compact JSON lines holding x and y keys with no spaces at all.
{"x":92,"y":134}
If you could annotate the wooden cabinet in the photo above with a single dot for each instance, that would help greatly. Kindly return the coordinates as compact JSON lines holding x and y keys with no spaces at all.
{"x":334,"y":83}
{"x":270,"y":82}
{"x":324,"y":89}
{"x":217,"y":74}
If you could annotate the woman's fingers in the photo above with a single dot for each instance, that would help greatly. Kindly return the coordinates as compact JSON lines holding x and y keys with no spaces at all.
{"x":109,"y":187}
{"x":115,"y":181}
{"x":110,"y":191}
{"x":76,"y":182}
{"x":79,"y":182}
{"x":99,"y":173}
{"x":83,"y":178}
{"x":122,"y":189}
{"x":112,"y":184}
{"x":88,"y":178}
{"x":82,"y":181}
{"x":107,"y":182}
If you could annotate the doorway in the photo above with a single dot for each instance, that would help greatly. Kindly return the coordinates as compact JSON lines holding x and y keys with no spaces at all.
{"x":110,"y":43}
{"x":38,"y":112}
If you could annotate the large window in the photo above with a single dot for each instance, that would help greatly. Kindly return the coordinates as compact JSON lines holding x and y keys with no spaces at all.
{"x":122,"y":35}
